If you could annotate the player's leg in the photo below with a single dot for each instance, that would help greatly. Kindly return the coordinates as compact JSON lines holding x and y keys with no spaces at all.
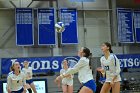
{"x":85,"y":89}
{"x":64,"y":88}
{"x":28,"y":87}
{"x":70,"y":89}
{"x":105,"y":88}
{"x":33,"y":87}
{"x":88,"y":87}
{"x":116,"y":87}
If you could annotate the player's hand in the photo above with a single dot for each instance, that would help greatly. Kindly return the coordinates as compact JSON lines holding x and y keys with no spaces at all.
{"x":9,"y":91}
{"x":57,"y":79}
{"x":27,"y":86}
{"x":99,"y":69}
{"x":68,"y":76}
{"x":112,"y":83}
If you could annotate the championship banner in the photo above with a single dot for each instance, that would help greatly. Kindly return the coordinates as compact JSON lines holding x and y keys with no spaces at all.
{"x":69,"y":18}
{"x":42,"y":64}
{"x":125,"y":25}
{"x":46,"y":26}
{"x":129,"y":61}
{"x":24,"y":27}
{"x":137,"y":25}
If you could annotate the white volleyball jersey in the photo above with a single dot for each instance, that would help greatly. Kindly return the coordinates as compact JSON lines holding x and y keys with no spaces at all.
{"x":10,"y":73}
{"x":28,"y":72}
{"x":68,"y":80}
{"x":15,"y":82}
{"x":111,"y":67}
{"x":83,"y":69}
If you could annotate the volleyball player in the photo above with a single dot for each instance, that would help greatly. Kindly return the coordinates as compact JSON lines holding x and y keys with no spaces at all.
{"x":28,"y":73}
{"x":111,"y":67}
{"x":16,"y":82}
{"x":84,"y":72}
{"x":67,"y":82}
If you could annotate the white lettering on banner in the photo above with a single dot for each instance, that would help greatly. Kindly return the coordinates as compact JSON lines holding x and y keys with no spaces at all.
{"x":55,"y":64}
{"x":121,"y":64}
{"x":23,"y":62}
{"x":45,"y":65}
{"x":37,"y":65}
{"x":136,"y":62}
{"x":41,"y":64}
{"x":129,"y":62}
{"x":125,"y":62}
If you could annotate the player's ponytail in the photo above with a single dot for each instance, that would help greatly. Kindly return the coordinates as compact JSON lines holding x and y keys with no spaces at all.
{"x":108,"y":45}
{"x":90,"y":59}
{"x":87,"y":54}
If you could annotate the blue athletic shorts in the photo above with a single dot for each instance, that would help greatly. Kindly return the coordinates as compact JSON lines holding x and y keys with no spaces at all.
{"x":91,"y":85}
{"x":29,"y":81}
{"x":19,"y":91}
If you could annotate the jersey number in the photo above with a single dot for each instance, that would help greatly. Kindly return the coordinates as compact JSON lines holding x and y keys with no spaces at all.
{"x":107,"y":67}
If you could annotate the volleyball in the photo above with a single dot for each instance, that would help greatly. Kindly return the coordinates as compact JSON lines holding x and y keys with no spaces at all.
{"x":59,"y":27}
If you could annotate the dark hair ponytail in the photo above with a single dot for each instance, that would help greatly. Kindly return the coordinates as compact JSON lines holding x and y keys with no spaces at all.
{"x":90,"y":59}
{"x":86,"y":51}
{"x":108,"y":45}
{"x":87,"y":55}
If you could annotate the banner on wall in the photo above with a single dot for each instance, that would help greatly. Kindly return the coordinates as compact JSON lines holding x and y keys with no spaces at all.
{"x":137,"y":25}
{"x":46,"y":26}
{"x":129,"y":61}
{"x":69,"y":18}
{"x":125,"y":25}
{"x":39,"y":64}
{"x":24,"y":27}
